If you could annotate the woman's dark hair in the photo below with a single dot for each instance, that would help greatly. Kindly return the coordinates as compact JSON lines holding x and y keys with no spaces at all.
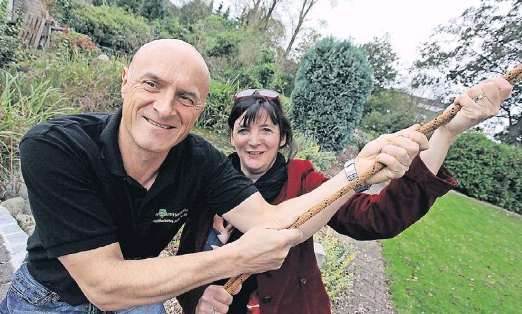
{"x":252,"y":107}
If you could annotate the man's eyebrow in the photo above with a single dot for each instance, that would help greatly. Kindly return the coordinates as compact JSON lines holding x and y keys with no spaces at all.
{"x":150,"y":75}
{"x":156,"y":78}
{"x":189,"y":93}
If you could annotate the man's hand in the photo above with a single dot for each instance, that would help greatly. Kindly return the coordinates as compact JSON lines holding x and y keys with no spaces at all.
{"x":215,"y":298}
{"x":479,"y":103}
{"x":395,"y":151}
{"x":265,"y":247}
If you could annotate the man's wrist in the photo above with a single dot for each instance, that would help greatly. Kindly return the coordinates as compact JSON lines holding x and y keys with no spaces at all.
{"x":351,"y":174}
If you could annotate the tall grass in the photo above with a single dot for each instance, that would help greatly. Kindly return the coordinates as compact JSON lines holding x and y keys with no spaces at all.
{"x":22,"y":106}
{"x":89,"y":84}
{"x":462,"y":257}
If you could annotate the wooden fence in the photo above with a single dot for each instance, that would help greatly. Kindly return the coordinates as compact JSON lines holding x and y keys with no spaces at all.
{"x":36,"y":30}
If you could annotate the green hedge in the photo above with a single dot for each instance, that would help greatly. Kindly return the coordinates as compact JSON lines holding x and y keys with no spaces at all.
{"x":487,"y":171}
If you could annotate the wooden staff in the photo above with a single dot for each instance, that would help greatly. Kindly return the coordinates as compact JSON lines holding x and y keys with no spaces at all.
{"x":514,"y":76}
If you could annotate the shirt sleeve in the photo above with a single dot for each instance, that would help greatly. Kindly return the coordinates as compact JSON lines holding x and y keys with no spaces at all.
{"x":400,"y":204}
{"x":69,"y":215}
{"x":225,"y":187}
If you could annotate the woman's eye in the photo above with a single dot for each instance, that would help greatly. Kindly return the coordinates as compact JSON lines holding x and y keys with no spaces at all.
{"x":267,"y":130}
{"x":242,"y":131}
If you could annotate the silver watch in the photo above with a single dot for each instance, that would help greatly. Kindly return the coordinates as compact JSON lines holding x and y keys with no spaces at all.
{"x":351,"y":174}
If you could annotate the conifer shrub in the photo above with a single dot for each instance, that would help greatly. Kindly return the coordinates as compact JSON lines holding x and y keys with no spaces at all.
{"x":331,"y":88}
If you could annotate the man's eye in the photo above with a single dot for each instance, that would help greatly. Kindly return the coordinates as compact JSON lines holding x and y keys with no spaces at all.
{"x":150,"y":84}
{"x":186,"y":100}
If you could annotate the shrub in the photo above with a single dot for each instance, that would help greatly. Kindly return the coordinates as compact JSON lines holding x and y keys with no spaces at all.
{"x":108,"y":26}
{"x":389,"y":111}
{"x":335,"y":273}
{"x":487,"y":171}
{"x":69,"y":42}
{"x":331,"y":88}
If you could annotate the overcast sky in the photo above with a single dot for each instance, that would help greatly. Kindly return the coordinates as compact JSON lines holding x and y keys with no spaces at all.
{"x":409,"y":22}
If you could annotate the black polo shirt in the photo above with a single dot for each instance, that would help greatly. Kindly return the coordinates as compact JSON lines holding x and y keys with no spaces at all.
{"x":82,"y":198}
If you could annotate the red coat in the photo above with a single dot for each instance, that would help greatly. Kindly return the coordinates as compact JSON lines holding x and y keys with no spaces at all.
{"x":297,"y":287}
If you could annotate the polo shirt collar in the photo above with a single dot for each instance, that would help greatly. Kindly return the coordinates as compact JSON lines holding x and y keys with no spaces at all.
{"x":111,"y":154}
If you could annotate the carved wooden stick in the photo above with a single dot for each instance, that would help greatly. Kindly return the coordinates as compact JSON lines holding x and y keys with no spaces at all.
{"x":514,"y":76}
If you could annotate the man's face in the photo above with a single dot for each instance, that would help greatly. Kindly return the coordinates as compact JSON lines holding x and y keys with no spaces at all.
{"x":163,"y":95}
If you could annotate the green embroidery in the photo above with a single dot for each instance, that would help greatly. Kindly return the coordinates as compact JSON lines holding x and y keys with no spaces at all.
{"x":162,"y":212}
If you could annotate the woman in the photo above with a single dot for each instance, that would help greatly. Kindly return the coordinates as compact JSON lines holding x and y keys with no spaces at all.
{"x":259,"y":129}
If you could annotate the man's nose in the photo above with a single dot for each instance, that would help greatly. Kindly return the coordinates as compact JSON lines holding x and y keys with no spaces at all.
{"x":164,"y":104}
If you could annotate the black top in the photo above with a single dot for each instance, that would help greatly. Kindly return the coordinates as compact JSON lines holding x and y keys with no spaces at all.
{"x":82,"y":198}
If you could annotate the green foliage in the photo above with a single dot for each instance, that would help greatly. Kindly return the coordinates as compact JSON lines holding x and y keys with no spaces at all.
{"x":171,"y":28}
{"x":69,"y":42}
{"x":10,"y":46}
{"x":389,"y":111}
{"x":331,"y":88}
{"x":335,"y":273}
{"x":462,"y":257}
{"x":111,"y":27}
{"x":487,"y":171}
{"x":153,"y":9}
{"x":20,"y":109}
{"x":217,"y":107}
{"x":132,"y":6}
{"x":307,"y":148}
{"x":195,"y":11}
{"x":86,"y":82}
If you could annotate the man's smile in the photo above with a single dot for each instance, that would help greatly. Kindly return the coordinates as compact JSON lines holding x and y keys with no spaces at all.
{"x":163,"y":126}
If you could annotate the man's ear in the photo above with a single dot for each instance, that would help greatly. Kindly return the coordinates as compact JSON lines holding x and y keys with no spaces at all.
{"x":124,"y":79}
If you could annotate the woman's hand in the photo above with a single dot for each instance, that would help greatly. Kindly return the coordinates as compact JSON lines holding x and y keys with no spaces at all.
{"x":479,"y":103}
{"x":395,"y":151}
{"x":215,"y":299}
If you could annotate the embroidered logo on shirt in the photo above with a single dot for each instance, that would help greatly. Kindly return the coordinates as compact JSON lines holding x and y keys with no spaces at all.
{"x":162,"y":212}
{"x":163,"y":216}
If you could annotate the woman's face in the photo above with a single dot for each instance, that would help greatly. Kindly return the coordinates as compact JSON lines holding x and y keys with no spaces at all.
{"x":256,"y":144}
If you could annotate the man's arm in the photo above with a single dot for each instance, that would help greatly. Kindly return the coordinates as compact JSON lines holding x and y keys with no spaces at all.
{"x":112,"y":283}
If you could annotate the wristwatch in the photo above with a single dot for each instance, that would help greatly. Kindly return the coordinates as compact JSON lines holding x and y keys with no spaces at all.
{"x":351,"y":174}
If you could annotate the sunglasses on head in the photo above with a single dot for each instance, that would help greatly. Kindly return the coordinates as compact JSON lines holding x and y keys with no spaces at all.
{"x":265,"y":93}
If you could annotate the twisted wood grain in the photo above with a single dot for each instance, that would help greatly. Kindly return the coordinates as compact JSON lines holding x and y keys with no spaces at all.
{"x":514,"y":76}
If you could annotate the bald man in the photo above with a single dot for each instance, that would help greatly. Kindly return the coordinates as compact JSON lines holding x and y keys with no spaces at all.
{"x":110,"y":191}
